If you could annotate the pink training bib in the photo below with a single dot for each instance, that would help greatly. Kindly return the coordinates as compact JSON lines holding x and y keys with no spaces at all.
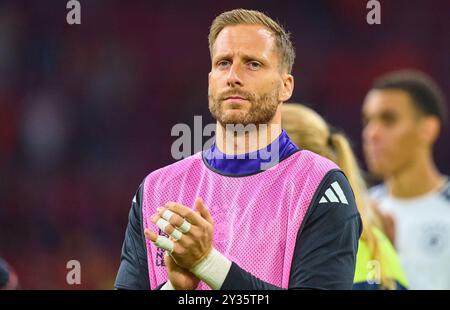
{"x":257,"y":217}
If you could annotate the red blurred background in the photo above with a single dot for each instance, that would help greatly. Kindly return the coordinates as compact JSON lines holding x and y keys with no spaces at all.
{"x":86,"y":110}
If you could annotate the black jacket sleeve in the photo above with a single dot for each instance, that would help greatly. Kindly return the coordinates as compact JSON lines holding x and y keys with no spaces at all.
{"x":133,"y":269}
{"x":326,"y":245}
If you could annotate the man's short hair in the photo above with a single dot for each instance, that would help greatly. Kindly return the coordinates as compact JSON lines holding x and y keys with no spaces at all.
{"x":424,"y":92}
{"x":250,"y":17}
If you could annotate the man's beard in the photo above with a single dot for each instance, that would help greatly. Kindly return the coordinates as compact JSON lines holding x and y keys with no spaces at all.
{"x":262,"y":108}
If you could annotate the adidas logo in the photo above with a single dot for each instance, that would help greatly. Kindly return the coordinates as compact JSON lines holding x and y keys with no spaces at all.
{"x":334,"y":194}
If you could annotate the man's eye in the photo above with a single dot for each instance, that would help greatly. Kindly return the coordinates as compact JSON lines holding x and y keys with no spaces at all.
{"x":254,"y":65}
{"x":223,"y":64}
{"x":389,"y":120}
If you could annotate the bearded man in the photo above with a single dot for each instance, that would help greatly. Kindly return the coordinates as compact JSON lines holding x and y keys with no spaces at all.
{"x":252,"y":211}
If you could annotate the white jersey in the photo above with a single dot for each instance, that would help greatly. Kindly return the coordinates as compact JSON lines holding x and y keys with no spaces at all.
{"x":422,"y":235}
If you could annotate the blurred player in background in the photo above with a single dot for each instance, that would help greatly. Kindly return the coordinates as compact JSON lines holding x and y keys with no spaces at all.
{"x":8,"y":277}
{"x":288,"y":220}
{"x":377,"y":263}
{"x":403,"y":114}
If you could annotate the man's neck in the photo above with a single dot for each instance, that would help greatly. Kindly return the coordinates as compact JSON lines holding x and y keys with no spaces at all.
{"x":232,"y":142}
{"x":420,"y":178}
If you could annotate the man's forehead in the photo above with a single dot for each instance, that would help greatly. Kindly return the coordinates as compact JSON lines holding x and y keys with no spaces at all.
{"x":382,"y":101}
{"x":244,"y":38}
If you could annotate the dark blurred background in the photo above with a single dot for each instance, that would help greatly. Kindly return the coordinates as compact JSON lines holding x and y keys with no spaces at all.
{"x":86,"y":110}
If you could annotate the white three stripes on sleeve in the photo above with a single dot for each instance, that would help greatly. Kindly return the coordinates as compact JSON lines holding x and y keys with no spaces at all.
{"x":334,"y":194}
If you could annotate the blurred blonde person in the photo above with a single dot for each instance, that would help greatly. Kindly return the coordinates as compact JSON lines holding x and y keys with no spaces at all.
{"x":377,"y":264}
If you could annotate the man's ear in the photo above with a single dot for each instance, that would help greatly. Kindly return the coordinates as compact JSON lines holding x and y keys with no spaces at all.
{"x":429,"y":129}
{"x":287,"y":88}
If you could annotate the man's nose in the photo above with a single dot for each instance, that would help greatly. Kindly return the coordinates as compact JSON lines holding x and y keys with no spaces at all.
{"x":234,"y":76}
{"x":371,"y":132}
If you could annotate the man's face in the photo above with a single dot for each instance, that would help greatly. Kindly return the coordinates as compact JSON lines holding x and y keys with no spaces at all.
{"x":390,"y":134}
{"x":245,"y":78}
